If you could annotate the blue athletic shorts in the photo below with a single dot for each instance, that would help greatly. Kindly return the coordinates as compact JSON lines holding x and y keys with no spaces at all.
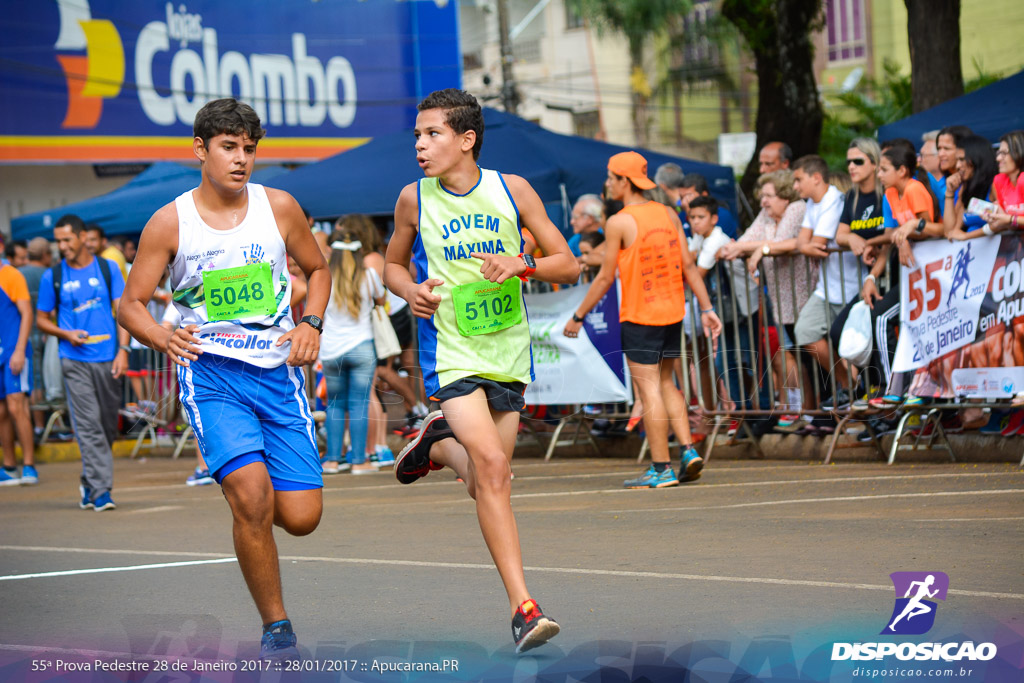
{"x":16,"y":384}
{"x":237,"y":409}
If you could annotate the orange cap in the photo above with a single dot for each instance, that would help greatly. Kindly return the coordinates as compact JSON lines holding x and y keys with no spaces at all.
{"x":633,"y":166}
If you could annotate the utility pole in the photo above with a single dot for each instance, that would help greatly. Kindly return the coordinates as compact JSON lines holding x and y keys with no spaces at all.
{"x":509,"y":96}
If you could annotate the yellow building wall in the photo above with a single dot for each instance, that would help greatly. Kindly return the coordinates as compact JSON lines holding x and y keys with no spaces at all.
{"x":990,"y":33}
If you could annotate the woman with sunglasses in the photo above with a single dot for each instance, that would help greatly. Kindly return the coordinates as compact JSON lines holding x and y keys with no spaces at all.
{"x":1008,"y":185}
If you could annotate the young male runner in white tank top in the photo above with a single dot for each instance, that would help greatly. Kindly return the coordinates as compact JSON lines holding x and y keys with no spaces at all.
{"x":238,"y":352}
{"x":461,"y":227}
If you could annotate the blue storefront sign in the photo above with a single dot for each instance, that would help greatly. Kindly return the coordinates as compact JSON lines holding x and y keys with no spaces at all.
{"x":112,"y":80}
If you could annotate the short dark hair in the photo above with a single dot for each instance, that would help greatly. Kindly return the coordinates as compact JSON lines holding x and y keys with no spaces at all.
{"x":72,"y":221}
{"x":896,"y":142}
{"x":958,"y":133}
{"x":227,"y":116}
{"x":594,"y":239}
{"x":695,"y":180}
{"x":92,"y":227}
{"x":13,"y":246}
{"x":811,"y":164}
{"x":461,"y":112}
{"x":785,"y":152}
{"x":902,"y":155}
{"x":704,"y":202}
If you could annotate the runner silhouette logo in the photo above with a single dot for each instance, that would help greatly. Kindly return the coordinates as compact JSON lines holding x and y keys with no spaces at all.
{"x":916,"y":592}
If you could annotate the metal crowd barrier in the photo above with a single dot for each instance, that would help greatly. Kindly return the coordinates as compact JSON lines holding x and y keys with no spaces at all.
{"x":746,"y":362}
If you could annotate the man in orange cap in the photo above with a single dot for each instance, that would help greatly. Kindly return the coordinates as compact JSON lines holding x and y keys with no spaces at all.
{"x":645,"y":243}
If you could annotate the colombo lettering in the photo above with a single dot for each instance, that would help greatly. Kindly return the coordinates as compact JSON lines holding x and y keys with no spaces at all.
{"x":296,"y":89}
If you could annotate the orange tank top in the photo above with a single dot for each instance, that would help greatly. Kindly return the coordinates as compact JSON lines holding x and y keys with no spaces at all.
{"x":651,"y":269}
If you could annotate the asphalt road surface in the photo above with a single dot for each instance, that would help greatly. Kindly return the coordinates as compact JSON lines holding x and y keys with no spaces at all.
{"x":752,"y":573}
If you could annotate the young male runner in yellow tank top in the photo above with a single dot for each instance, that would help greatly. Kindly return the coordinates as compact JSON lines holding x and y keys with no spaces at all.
{"x":461,"y":227}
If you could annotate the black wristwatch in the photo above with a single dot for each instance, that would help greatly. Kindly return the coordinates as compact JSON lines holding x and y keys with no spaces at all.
{"x":313,"y":321}
{"x":920,"y":225}
{"x":576,"y":318}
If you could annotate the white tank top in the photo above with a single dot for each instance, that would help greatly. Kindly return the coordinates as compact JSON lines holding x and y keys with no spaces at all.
{"x":201,"y":249}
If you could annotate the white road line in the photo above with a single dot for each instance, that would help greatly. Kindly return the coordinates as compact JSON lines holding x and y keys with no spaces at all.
{"x":836,"y":499}
{"x":623,"y":473}
{"x":115,"y":551}
{"x":971,"y":519}
{"x":158,"y":508}
{"x":632,"y":574}
{"x":105,"y":570}
{"x":550,"y":570}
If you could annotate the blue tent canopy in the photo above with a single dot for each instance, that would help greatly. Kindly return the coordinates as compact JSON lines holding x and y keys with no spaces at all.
{"x":126,"y":210}
{"x":369,"y":178}
{"x":121,"y":212}
{"x":990,"y":112}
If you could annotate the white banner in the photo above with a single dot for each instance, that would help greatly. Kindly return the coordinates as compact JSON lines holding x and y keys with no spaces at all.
{"x":988,"y":382}
{"x":941,"y":298}
{"x":587,"y":369}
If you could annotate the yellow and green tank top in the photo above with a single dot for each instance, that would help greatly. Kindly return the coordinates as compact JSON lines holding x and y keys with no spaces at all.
{"x":451,"y":227}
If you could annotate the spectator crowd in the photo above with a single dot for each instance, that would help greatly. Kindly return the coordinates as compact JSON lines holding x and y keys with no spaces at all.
{"x":755,"y":334}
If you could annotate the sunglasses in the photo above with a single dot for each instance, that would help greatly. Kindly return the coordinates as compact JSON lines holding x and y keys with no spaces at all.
{"x":859,"y":161}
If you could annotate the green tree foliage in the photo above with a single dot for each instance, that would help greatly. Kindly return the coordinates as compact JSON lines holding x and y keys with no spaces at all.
{"x":640,"y":22}
{"x":875,"y":103}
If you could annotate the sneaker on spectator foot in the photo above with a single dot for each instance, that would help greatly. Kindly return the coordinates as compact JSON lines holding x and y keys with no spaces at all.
{"x":330,"y":467}
{"x":840,"y":401}
{"x":9,"y":477}
{"x":530,"y":628}
{"x":384,"y":458}
{"x":690,"y":466}
{"x":86,"y":493}
{"x":279,"y":642}
{"x":29,"y":475}
{"x":200,"y":477}
{"x":104,"y":502}
{"x":791,"y":424}
{"x":653,"y":479}
{"x":414,"y":461}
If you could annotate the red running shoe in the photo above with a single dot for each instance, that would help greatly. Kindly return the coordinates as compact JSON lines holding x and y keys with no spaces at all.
{"x":530,"y":628}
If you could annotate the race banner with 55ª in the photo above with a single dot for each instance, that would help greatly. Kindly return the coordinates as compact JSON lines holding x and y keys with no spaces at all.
{"x":959,"y":305}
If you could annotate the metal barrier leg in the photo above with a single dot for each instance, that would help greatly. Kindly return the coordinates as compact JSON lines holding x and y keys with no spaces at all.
{"x":146,"y":431}
{"x":719,"y":421}
{"x":840,"y":429}
{"x":554,"y":438}
{"x":182,"y":441}
{"x":56,"y":417}
{"x":899,"y":434}
{"x":643,"y":450}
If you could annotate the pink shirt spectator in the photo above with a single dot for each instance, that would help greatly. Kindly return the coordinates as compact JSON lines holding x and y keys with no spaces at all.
{"x":795,"y":274}
{"x":1009,"y":196}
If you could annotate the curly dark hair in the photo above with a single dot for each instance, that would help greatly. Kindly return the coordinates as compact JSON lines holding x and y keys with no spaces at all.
{"x":461,"y":112}
{"x":227,"y":116}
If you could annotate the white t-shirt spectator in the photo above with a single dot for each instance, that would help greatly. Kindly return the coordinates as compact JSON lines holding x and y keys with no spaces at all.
{"x":706,"y":248}
{"x":823,"y":218}
{"x":342,"y":332}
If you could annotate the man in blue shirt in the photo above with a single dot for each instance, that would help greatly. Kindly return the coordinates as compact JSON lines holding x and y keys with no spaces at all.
{"x":93,"y":352}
